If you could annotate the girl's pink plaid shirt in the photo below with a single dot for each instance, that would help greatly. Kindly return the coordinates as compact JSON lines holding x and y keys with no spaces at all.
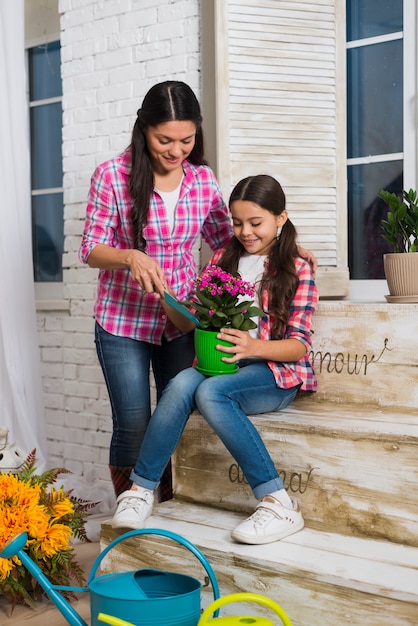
{"x":121,"y":307}
{"x":298,"y":326}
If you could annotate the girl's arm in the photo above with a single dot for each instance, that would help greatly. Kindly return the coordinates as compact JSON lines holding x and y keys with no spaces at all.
{"x":246,"y":347}
{"x":297,"y":340}
{"x":310,"y":258}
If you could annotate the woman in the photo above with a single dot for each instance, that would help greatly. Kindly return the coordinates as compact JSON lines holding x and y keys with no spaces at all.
{"x":147,"y":209}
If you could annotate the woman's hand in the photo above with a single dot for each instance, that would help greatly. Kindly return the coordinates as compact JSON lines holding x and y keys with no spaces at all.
{"x":146,"y":272}
{"x":310,"y":258}
{"x":243,"y":344}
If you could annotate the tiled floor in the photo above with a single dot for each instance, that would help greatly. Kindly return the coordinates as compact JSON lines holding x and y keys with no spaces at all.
{"x":46,"y":613}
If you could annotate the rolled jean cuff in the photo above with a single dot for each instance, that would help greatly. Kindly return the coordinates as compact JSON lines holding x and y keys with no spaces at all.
{"x":272,"y":485}
{"x":143,"y":482}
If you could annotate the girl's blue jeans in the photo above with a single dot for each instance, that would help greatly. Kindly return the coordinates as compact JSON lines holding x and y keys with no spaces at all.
{"x":126,"y":368}
{"x":224,"y":401}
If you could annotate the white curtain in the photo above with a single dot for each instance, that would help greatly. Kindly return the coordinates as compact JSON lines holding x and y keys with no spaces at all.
{"x":21,"y":406}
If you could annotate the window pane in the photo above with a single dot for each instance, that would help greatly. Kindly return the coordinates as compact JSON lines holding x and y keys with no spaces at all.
{"x":46,"y":142}
{"x":374,"y":99}
{"x":48,"y":236}
{"x":45,"y":71}
{"x":365,"y":211}
{"x":372,"y":18}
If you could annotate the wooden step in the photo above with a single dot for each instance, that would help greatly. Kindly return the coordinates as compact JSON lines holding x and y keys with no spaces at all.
{"x":353,"y":468}
{"x":319,"y":578}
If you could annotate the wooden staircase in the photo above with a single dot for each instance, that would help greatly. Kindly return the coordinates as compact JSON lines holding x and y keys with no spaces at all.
{"x":349,"y":454}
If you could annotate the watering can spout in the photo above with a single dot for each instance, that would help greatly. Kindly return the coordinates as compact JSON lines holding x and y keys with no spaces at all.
{"x":14,"y":547}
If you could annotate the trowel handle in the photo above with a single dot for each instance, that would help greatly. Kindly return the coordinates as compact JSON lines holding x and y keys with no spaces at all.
{"x":244,"y":597}
{"x":163,"y":533}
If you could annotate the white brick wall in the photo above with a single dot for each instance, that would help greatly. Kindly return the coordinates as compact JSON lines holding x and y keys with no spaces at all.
{"x":113,"y":51}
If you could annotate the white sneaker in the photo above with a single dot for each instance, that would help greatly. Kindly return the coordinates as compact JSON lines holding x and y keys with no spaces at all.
{"x":270,"y":521}
{"x":134,"y":507}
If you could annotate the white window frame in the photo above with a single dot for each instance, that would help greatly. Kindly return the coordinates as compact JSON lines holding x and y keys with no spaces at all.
{"x":375,"y":290}
{"x":48,"y":295}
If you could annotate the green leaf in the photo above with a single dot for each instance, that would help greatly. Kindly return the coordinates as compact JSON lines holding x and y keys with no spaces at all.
{"x":207,"y":302}
{"x":237,"y":320}
{"x":254,"y":311}
{"x":248,"y":325}
{"x":239,"y":308}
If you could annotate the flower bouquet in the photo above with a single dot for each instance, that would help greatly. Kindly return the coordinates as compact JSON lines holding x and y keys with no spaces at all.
{"x":219,"y":300}
{"x":30,"y":503}
{"x":219,"y":304}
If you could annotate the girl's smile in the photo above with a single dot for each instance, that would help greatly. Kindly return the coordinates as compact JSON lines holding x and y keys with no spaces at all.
{"x":255,"y":227}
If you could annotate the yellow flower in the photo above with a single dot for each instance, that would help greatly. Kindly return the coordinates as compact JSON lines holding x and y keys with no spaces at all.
{"x":61,"y":505}
{"x":38,"y":522}
{"x":18,"y":493}
{"x":6,"y":566}
{"x":57,"y":538}
{"x":30,"y":503}
{"x":20,"y":510}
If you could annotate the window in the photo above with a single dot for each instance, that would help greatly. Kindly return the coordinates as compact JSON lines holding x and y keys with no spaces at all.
{"x":375,"y":125}
{"x":45,"y":102}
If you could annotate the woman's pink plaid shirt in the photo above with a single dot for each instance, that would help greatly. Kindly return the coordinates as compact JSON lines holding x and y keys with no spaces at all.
{"x":121,"y":307}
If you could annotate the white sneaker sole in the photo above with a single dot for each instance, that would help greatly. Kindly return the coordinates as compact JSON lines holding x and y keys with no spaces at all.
{"x":130,"y":524}
{"x":251,"y":539}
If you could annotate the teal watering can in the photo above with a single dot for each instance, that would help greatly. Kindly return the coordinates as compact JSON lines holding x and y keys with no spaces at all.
{"x":244,"y":619}
{"x":145,"y":597}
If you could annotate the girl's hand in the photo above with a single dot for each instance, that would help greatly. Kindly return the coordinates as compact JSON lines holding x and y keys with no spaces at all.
{"x":243,"y":344}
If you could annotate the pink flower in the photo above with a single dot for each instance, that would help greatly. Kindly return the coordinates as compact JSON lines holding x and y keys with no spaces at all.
{"x":218,"y":300}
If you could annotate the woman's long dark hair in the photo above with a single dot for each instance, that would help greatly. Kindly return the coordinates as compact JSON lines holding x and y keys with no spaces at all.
{"x":280,"y":278}
{"x":165,"y":102}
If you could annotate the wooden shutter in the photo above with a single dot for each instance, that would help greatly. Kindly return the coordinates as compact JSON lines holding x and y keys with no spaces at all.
{"x":280,"y":110}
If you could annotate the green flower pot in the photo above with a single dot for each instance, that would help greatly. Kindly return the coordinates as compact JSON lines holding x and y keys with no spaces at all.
{"x":208,"y":357}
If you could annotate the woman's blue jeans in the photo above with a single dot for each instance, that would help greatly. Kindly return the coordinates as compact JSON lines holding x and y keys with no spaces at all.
{"x":126,"y":368}
{"x":224,"y":401}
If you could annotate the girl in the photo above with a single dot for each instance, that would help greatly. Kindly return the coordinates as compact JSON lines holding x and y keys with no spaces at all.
{"x":273,"y":362}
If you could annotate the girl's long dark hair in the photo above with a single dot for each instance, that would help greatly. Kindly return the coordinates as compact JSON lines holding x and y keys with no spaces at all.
{"x":165,"y":102}
{"x":280,"y":278}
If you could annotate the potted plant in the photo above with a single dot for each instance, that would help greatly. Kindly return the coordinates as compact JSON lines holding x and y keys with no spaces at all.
{"x":219,"y":304}
{"x":400,"y":229}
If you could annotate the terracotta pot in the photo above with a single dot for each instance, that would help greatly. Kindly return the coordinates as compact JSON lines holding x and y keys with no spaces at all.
{"x":208,"y":357}
{"x":401,"y":271}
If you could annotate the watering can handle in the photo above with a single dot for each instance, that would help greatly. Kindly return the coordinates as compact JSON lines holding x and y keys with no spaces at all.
{"x":163,"y":533}
{"x":244,"y":597}
{"x":114,"y":621}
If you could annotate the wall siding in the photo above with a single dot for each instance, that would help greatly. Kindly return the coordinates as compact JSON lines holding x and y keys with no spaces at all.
{"x":112,"y":53}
